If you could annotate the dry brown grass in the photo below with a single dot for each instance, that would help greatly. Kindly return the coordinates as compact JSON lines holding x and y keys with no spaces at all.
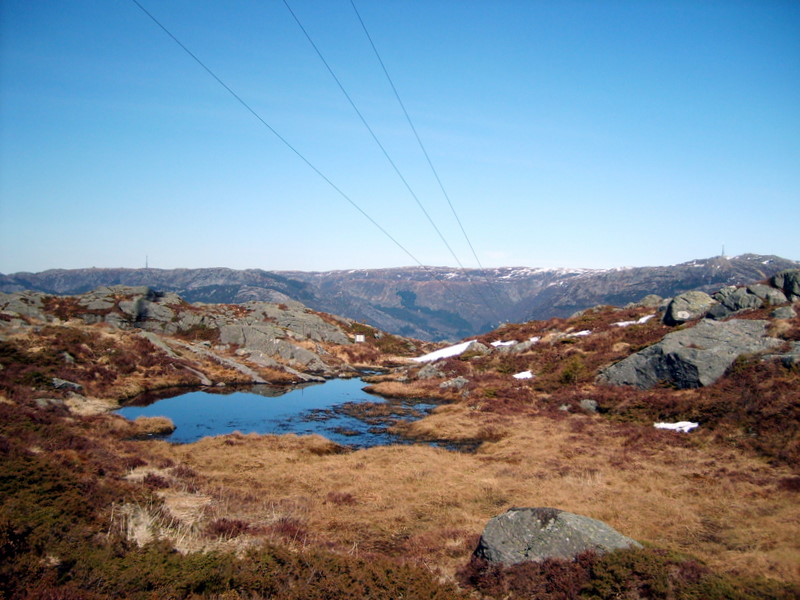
{"x":429,"y":505}
{"x":153,"y":426}
{"x":414,"y":389}
{"x":698,"y":493}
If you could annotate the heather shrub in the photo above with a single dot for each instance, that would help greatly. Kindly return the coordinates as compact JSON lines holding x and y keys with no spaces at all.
{"x":228,"y":528}
{"x":549,"y":580}
{"x":652,"y":574}
{"x":573,"y":371}
{"x":643,"y":574}
{"x":59,"y":538}
{"x":155,"y":481}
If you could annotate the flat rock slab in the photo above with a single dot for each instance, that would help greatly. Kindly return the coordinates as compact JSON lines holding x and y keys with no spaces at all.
{"x":536,"y":534}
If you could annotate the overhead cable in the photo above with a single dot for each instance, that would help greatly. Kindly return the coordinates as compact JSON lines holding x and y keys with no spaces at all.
{"x":386,"y":153}
{"x":422,"y":148}
{"x":276,"y":134}
{"x":288,"y":144}
{"x":371,"y":132}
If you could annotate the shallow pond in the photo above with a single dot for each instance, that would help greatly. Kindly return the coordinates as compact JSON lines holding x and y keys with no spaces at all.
{"x":338,"y":409}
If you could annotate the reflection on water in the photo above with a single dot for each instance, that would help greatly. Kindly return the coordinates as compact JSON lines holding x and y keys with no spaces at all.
{"x":338,"y":409}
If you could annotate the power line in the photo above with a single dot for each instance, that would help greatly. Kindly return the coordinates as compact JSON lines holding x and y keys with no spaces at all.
{"x":422,"y":147}
{"x":371,"y":132}
{"x":386,"y":153}
{"x":291,"y":147}
{"x":416,"y":135}
{"x":276,"y":134}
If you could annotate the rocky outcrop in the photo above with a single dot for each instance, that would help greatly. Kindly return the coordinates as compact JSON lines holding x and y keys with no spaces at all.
{"x":789,"y":282}
{"x":768,"y":294}
{"x":517,"y":348}
{"x":688,"y":306}
{"x":295,"y":318}
{"x":790,"y":358}
{"x":418,"y":302}
{"x":286,"y":336}
{"x":27,"y":304}
{"x":783,"y":312}
{"x":692,"y":357}
{"x":649,"y":301}
{"x":732,"y":299}
{"x":430,"y":371}
{"x":537,"y":534}
{"x":457,"y":383}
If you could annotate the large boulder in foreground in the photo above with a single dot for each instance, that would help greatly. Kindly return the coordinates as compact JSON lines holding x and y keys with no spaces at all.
{"x":536,"y":534}
{"x":693,"y":357}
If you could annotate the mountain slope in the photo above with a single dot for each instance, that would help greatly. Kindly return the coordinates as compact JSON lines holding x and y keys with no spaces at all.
{"x":431,"y":303}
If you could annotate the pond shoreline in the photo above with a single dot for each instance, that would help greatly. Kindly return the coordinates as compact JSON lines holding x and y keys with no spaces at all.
{"x":340,"y":409}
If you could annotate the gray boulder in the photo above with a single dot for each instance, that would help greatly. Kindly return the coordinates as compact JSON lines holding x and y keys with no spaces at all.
{"x":692,"y":357}
{"x":768,"y":294}
{"x":23,"y":304}
{"x":430,"y":371}
{"x":789,"y":282}
{"x":783,"y":312}
{"x":518,"y":348}
{"x":63,"y":384}
{"x":731,"y":300}
{"x":687,"y":306}
{"x":738,"y":298}
{"x":457,"y":383}
{"x":476,"y":348}
{"x":649,"y":301}
{"x":96,"y":303}
{"x":299,"y":356}
{"x":536,"y":534}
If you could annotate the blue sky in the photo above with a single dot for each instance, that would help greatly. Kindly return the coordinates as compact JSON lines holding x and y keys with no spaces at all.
{"x":574,"y":133}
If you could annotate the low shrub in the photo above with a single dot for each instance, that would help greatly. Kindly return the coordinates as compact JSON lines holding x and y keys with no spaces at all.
{"x":548,"y":580}
{"x":155,"y":481}
{"x":228,"y":528}
{"x":643,"y":574}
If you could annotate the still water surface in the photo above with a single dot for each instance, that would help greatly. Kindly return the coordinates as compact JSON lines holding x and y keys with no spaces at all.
{"x":338,"y":409}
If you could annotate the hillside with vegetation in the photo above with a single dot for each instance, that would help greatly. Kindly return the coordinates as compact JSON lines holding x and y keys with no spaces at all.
{"x":92,"y":506}
{"x":429,"y":303}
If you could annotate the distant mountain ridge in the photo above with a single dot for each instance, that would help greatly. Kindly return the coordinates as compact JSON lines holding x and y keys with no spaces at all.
{"x":430,"y":303}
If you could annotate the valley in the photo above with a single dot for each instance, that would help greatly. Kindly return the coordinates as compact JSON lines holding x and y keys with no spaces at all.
{"x":431,"y":303}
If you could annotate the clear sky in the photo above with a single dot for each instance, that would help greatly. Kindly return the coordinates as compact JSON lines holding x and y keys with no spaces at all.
{"x":566,"y":133}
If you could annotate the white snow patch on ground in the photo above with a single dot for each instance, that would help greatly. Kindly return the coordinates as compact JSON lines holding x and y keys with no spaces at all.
{"x":683,"y":426}
{"x":535,"y":339}
{"x":499,"y":343}
{"x":641,"y":321}
{"x":524,"y":375}
{"x":583,"y":333}
{"x":445,"y":352}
